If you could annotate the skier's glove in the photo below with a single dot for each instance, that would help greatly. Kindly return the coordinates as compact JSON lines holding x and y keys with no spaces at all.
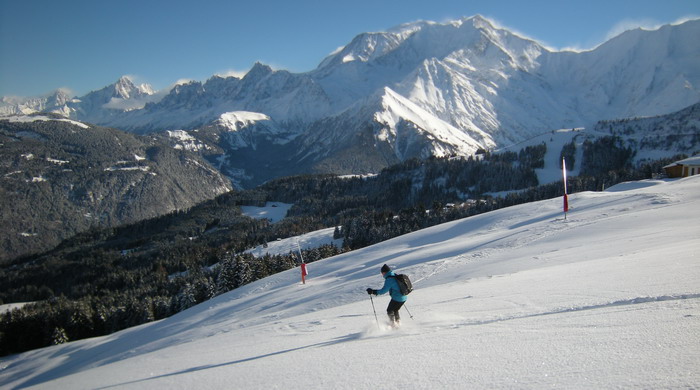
{"x":371,"y":292}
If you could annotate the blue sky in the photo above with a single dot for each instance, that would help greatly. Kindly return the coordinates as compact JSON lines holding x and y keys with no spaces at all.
{"x":86,"y":45}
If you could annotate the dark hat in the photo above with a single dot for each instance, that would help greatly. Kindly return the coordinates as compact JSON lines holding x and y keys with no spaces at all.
{"x":385,"y":268}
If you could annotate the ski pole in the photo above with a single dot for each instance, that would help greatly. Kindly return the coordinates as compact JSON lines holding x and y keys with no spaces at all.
{"x":375,"y":311}
{"x":409,"y":312}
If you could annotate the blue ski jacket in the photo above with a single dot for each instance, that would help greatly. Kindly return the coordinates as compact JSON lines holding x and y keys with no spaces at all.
{"x":392,"y":287}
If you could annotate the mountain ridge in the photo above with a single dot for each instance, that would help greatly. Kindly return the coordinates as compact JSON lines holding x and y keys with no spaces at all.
{"x":494,"y":86}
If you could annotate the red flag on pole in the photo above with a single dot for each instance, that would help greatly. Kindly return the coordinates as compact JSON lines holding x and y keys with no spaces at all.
{"x":566,"y":197}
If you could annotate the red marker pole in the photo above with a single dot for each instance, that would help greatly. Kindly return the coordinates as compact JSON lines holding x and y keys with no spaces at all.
{"x":303,"y":273}
{"x":566,"y":197}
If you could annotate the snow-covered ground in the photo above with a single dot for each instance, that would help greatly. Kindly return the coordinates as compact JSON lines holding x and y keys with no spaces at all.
{"x":305,"y":241}
{"x":516,"y":298}
{"x":11,"y":306}
{"x":43,"y":118}
{"x":555,"y":141}
{"x":274,"y":211}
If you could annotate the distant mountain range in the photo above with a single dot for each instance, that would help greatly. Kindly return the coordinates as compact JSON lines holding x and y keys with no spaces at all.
{"x":417,"y":90}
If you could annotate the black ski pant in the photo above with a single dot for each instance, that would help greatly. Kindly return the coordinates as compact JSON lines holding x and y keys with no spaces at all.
{"x":393,"y":310}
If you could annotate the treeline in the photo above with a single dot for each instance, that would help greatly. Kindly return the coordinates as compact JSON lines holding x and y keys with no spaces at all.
{"x":606,"y":162}
{"x":137,"y":297}
{"x":106,"y":280}
{"x":408,"y":184}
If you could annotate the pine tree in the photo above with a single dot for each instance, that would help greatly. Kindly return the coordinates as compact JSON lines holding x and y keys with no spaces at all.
{"x":59,"y":336}
{"x":226,"y":279}
{"x":186,"y":298}
{"x":244,"y":273}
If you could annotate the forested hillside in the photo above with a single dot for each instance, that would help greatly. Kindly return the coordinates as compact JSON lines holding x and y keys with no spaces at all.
{"x":60,"y":177}
{"x":679,"y":131}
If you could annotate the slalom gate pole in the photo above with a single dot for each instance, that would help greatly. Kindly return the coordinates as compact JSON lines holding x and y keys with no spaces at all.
{"x":409,"y":313}
{"x":375,"y":312}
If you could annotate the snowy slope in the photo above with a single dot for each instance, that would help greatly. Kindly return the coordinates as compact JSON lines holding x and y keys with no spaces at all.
{"x":555,"y":141}
{"x":405,"y":125}
{"x":394,"y":126}
{"x":274,"y":211}
{"x":658,"y":136}
{"x":244,"y":129}
{"x":652,"y":138}
{"x":638,"y":73}
{"x":306,"y":241}
{"x":516,"y":298}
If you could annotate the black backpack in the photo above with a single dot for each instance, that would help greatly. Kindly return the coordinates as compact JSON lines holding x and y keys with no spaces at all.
{"x":404,"y":283}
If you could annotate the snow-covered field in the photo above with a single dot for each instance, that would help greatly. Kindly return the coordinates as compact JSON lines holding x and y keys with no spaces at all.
{"x":11,"y":306}
{"x":274,"y":211}
{"x":516,"y":298}
{"x":305,"y":241}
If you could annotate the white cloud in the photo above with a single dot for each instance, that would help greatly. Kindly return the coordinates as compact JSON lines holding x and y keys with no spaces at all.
{"x":182,"y":81}
{"x":232,"y":73}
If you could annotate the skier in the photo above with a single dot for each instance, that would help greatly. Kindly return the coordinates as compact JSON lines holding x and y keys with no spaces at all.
{"x":397,"y":299}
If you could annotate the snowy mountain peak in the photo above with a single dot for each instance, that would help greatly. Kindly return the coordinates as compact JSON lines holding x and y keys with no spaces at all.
{"x":125,"y":88}
{"x":412,"y":43}
{"x":123,"y":95}
{"x":258,"y":71}
{"x":146,"y":89}
{"x":59,"y":97}
{"x":476,"y":22}
{"x":365,"y":47}
{"x":479,"y":21}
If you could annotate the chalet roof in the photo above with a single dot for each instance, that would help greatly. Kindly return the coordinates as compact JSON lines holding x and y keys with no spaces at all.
{"x":691,"y":161}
